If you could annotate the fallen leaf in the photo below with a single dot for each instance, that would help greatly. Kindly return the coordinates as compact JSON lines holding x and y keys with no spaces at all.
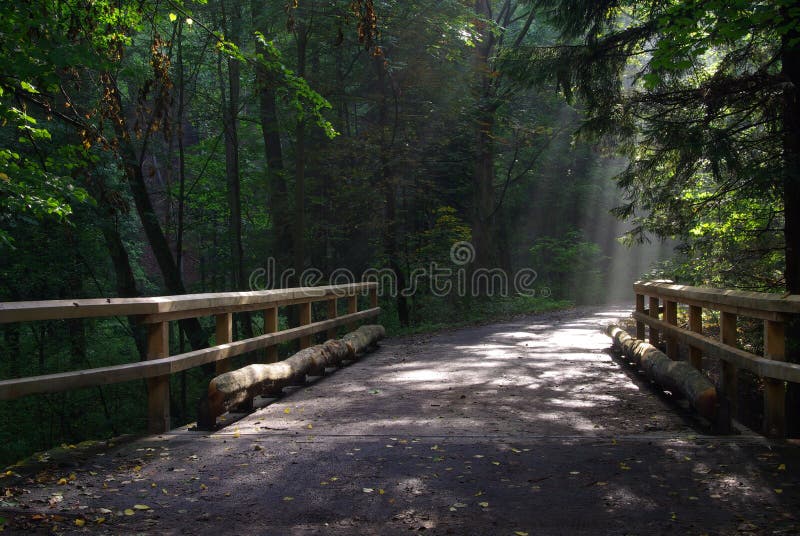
{"x":381,"y":491}
{"x":483,"y":504}
{"x":141,"y":507}
{"x":520,"y":533}
{"x":778,"y":491}
{"x":80,"y":522}
{"x":782,"y":467}
{"x":100,"y":520}
{"x":287,"y":410}
{"x":128,"y":512}
{"x":62,"y":481}
{"x":287,"y":498}
{"x":367,"y":490}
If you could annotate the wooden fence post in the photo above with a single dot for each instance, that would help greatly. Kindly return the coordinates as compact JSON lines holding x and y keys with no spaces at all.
{"x":373,"y":297}
{"x":639,"y":324}
{"x":224,"y":335}
{"x":696,"y":325}
{"x":728,"y":374}
{"x":671,"y":316}
{"x":271,"y":326}
{"x":352,"y":307}
{"x":774,"y":390}
{"x":332,"y":313}
{"x":158,"y":419}
{"x":653,"y":311}
{"x":305,"y":318}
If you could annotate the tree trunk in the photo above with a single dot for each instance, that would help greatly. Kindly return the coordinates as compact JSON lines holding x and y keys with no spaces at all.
{"x":150,"y":224}
{"x":791,"y":204}
{"x":277,"y":196}
{"x":483,"y":177}
{"x":389,"y":187}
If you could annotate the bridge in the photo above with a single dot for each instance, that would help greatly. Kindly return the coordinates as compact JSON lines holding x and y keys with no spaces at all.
{"x":531,"y":426}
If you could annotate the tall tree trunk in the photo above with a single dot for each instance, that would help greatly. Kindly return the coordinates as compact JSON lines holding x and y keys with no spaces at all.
{"x":388,"y":183}
{"x":230,"y":119}
{"x":791,"y":205}
{"x":132,"y":166}
{"x":278,"y":199}
{"x":298,"y":236}
{"x":483,"y":177}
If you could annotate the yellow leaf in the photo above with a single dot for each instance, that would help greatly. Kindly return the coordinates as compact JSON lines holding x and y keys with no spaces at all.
{"x":137,"y":468}
{"x":72,"y":477}
{"x":236,"y":434}
{"x":100,"y":520}
{"x":782,"y":467}
{"x":141,"y":507}
{"x":165,"y":492}
{"x":173,"y":17}
{"x":778,"y":491}
{"x":288,"y":498}
{"x":483,"y":504}
{"x":287,"y":410}
{"x":495,"y":463}
{"x":128,"y":512}
{"x":520,"y":533}
{"x":80,"y":522}
{"x":153,"y":485}
{"x":62,"y":481}
{"x":309,"y":427}
{"x":381,"y":491}
{"x":203,"y":486}
{"x":4,"y":177}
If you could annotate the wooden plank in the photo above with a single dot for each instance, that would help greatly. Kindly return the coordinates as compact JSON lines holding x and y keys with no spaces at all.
{"x":762,"y":305}
{"x":640,"y":333}
{"x":305,"y":319}
{"x":224,"y":335}
{"x":671,"y":316}
{"x":332,"y":313}
{"x":729,"y":377}
{"x":162,"y":305}
{"x":63,"y":381}
{"x":352,"y":308}
{"x":271,"y":326}
{"x":774,"y":390}
{"x":696,"y":325}
{"x":764,"y":368}
{"x":373,"y":297}
{"x":158,"y":418}
{"x":653,"y":308}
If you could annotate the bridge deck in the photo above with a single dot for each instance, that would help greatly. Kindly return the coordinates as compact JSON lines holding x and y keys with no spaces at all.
{"x":522,"y":427}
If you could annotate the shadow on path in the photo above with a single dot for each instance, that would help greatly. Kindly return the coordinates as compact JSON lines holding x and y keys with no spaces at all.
{"x":522,"y":427}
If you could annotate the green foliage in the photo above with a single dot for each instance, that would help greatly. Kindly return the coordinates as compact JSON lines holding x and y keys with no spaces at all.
{"x":573,"y":267}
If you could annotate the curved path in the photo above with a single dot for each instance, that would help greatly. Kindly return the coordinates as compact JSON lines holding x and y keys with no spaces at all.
{"x":525,"y":427}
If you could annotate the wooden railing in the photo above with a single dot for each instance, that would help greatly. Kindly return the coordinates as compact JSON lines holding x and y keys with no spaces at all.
{"x":157,"y":312}
{"x":660,"y":314}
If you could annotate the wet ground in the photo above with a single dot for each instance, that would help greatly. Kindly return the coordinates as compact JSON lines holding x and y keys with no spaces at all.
{"x":525,"y":427}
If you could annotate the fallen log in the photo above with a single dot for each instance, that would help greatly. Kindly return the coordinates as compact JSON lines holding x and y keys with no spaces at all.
{"x":675,"y":376}
{"x":364,"y":338}
{"x":237,"y":388}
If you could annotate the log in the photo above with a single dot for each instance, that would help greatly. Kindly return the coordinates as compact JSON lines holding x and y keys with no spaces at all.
{"x":364,"y":338}
{"x":675,"y":376}
{"x":236,"y":388}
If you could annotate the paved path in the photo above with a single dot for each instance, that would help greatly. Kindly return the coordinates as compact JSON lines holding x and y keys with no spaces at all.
{"x":525,"y":427}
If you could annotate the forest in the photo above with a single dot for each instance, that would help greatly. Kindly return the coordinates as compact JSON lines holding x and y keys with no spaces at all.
{"x":164,"y":147}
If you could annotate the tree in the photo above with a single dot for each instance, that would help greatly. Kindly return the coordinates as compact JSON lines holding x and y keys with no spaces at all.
{"x":702,"y":98}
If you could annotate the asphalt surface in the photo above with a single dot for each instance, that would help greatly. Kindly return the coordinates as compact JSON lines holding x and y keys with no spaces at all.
{"x":525,"y":427}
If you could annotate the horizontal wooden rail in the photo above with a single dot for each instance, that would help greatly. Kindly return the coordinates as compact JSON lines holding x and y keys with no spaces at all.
{"x":163,"y":308}
{"x":751,"y":304}
{"x":773,"y":309}
{"x":52,"y":383}
{"x":157,"y":312}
